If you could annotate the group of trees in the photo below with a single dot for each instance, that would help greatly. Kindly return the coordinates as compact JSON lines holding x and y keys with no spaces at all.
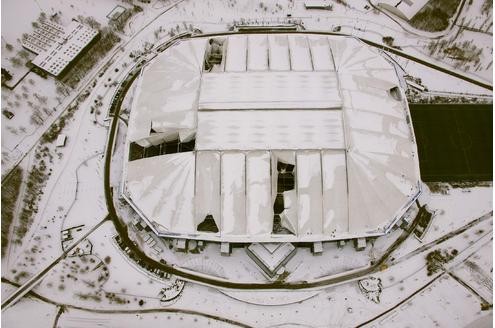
{"x":119,"y":22}
{"x":106,"y":41}
{"x":435,"y":15}
{"x":436,"y":259}
{"x":463,"y":53}
{"x":10,"y":194}
{"x":34,"y":189}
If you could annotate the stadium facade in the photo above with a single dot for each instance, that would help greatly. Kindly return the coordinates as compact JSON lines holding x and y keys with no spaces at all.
{"x":293,"y":137}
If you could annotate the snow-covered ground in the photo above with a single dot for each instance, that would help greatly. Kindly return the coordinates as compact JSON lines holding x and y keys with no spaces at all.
{"x":106,"y":279}
{"x":28,"y":312}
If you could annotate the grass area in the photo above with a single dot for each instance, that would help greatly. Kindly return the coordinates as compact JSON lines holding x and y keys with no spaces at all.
{"x":455,"y":141}
{"x":10,"y":194}
{"x":435,"y":15}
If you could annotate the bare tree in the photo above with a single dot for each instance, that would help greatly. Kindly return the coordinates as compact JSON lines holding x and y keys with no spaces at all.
{"x":15,"y":61}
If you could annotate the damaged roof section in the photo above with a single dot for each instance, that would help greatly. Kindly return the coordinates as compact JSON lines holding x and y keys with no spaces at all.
{"x":271,"y":138}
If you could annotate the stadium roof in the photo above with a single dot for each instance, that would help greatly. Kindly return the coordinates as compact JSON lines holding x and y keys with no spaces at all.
{"x":320,"y":106}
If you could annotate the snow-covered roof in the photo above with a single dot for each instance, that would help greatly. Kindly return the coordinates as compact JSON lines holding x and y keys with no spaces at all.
{"x":269,"y":90}
{"x":403,"y":8}
{"x":167,"y":91}
{"x":333,"y":119}
{"x":66,"y":43}
{"x":270,"y":129}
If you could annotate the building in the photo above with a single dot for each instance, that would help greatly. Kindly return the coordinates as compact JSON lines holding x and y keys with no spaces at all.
{"x":270,"y":138}
{"x":318,"y":4}
{"x":271,"y":257}
{"x":405,"y":9}
{"x":57,"y":46}
{"x":61,"y":139}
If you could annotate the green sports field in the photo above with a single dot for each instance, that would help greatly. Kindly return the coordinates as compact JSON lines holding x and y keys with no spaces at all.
{"x":454,"y":141}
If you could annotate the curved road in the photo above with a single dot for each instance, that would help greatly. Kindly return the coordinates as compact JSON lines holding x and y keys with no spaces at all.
{"x":121,"y":228}
{"x":64,"y":307}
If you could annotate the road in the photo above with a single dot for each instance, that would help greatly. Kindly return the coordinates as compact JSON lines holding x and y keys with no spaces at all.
{"x":414,"y":31}
{"x":66,"y":307}
{"x":188,"y":275}
{"x":212,"y":281}
{"x":121,"y":228}
{"x":400,"y":303}
{"x":446,"y":270}
{"x":383,"y":47}
{"x":28,"y":285}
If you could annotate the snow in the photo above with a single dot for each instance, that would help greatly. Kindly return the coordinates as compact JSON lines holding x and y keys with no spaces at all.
{"x":451,"y":211}
{"x":477,"y":270}
{"x":429,"y":307}
{"x":257,"y":58}
{"x":309,"y":190}
{"x":381,"y":162}
{"x":34,"y":97}
{"x":29,"y":313}
{"x":160,"y":317}
{"x":300,"y":57}
{"x":456,"y":306}
{"x":405,"y":8}
{"x":278,"y":52}
{"x":334,"y":192}
{"x":207,"y":194}
{"x":148,"y":182}
{"x":269,"y":90}
{"x":233,"y":201}
{"x":259,"y":209}
{"x":236,"y":54}
{"x":270,"y":129}
{"x":166,"y":93}
{"x":42,"y":243}
{"x":438,"y":81}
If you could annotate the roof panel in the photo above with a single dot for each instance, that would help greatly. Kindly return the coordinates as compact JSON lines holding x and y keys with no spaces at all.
{"x":148,"y":185}
{"x":279,"y":52}
{"x":257,"y":52}
{"x":207,"y":198}
{"x":262,"y":130}
{"x":236,"y":54}
{"x":335,"y":215}
{"x":167,"y":91}
{"x":300,"y":56}
{"x":233,"y":193}
{"x":321,"y":54}
{"x":259,"y":207}
{"x":264,"y":90}
{"x":309,"y":192}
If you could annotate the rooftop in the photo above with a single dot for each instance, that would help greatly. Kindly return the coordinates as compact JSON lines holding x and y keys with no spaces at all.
{"x":60,"y":47}
{"x":273,"y":138}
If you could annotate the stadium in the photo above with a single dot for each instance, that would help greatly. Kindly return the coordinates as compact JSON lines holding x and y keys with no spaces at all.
{"x":270,"y":138}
